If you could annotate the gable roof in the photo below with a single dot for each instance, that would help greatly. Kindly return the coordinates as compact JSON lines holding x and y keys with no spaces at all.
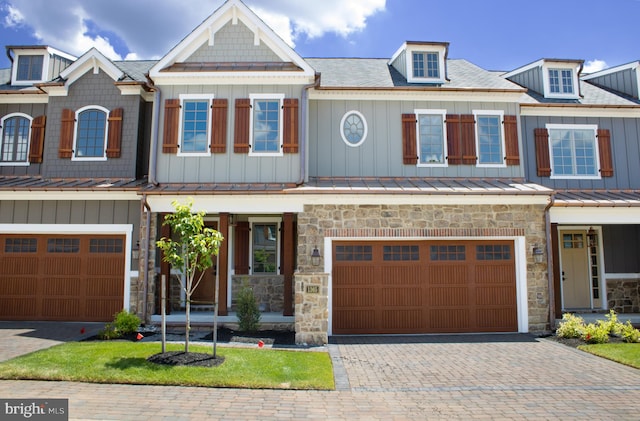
{"x":231,"y":11}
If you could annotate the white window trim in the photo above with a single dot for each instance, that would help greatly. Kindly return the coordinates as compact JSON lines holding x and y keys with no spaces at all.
{"x":364,"y":133}
{"x":187,"y":97}
{"x":593,"y":127}
{"x":445,"y":151}
{"x":280,"y":98}
{"x":547,"y":84}
{"x":500,"y":114}
{"x":441,"y":50}
{"x":265,"y":220}
{"x":45,"y":67}
{"x":74,"y":157}
{"x":26,"y":163}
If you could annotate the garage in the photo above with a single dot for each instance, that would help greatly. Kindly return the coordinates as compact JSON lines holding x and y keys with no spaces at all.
{"x":412,"y":287}
{"x":61,"y":277}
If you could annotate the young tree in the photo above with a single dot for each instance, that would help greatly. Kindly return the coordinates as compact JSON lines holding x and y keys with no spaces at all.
{"x":190,"y":250}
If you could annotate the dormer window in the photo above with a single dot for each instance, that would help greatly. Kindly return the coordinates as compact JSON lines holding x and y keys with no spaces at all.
{"x":422,"y":62}
{"x":30,"y":68}
{"x":561,"y":81}
{"x":426,"y":65}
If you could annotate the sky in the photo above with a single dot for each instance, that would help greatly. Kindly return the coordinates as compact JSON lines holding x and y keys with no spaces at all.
{"x":493,"y":34}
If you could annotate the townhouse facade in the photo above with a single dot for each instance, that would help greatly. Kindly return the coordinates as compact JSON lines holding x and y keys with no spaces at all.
{"x":410,"y":194}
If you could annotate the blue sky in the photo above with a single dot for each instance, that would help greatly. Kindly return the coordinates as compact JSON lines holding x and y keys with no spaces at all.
{"x":494,"y":34}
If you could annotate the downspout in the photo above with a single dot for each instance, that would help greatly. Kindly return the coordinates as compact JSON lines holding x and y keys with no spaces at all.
{"x":552,"y":298}
{"x":145,"y":245}
{"x":153,"y":149}
{"x":303,"y":123}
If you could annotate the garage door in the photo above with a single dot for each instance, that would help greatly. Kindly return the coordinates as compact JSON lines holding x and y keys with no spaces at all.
{"x":61,"y":277}
{"x":423,"y":287}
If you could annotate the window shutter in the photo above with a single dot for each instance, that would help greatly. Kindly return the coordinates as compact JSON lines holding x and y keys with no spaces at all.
{"x":606,"y":158}
{"x":468,"y":139}
{"x":290,"y":126}
{"x":219,"y":126}
{"x":171,"y":123}
{"x":67,"y":126}
{"x":114,"y":142}
{"x":512,"y":152}
{"x":241,"y":133}
{"x":409,"y":141}
{"x":542,"y":152}
{"x":37,"y":139}
{"x":453,"y":140}
{"x":241,"y":248}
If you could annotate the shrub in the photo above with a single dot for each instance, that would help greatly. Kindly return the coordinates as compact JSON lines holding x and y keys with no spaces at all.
{"x":612,"y":324}
{"x":629,"y":333}
{"x":571,"y":326}
{"x":247,"y":310}
{"x":596,"y":333}
{"x":123,"y":323}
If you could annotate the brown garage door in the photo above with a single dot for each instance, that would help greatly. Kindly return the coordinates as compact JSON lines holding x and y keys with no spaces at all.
{"x":424,"y":287}
{"x":61,"y":277}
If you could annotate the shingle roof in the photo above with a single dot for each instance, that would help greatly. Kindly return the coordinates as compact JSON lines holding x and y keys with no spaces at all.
{"x":591,"y":95}
{"x":135,"y":70}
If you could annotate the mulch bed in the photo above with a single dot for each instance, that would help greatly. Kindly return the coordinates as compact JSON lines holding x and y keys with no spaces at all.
{"x":193,"y":359}
{"x":576,"y":342}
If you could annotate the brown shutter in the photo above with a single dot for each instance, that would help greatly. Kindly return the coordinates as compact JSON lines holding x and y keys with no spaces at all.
{"x":219,"y":126}
{"x":454,"y":153}
{"x":241,"y":133}
{"x":468,"y":139}
{"x":606,"y":158}
{"x":542,"y":152}
{"x":288,"y":252}
{"x":409,"y":141}
{"x":290,"y":126}
{"x":512,"y":152}
{"x":37,"y":139}
{"x":67,"y":125}
{"x":241,"y":248}
{"x":114,"y":142}
{"x":171,"y":129}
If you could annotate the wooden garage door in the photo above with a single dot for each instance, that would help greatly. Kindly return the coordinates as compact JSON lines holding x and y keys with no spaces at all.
{"x":61,"y":277}
{"x":424,"y":287}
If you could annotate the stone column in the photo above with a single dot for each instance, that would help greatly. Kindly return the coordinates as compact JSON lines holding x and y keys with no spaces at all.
{"x":312,"y":308}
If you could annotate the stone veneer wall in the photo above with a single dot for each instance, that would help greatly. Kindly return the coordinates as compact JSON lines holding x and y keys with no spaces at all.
{"x":311,"y":308}
{"x":137,"y":289}
{"x":268,"y":290}
{"x":415,"y":221}
{"x":623,"y":295}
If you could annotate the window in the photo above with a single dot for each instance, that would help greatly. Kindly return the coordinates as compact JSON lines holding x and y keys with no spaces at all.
{"x":493,"y":252}
{"x":432,"y":134}
{"x":20,"y":245}
{"x":561,"y":81}
{"x":30,"y":68}
{"x":266,"y":124}
{"x":195,"y":124}
{"x":106,"y":245}
{"x":265,"y":246}
{"x":63,"y":245}
{"x":426,"y":65}
{"x":91,"y":133}
{"x":448,"y":253}
{"x":573,"y":151}
{"x":489,"y":138}
{"x":15,"y":138}
{"x":401,"y":253}
{"x":354,"y":253}
{"x":353,"y":128}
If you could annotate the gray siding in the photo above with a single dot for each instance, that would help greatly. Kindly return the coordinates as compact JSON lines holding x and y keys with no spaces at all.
{"x":531,"y":79}
{"x":621,"y":248}
{"x":234,"y":43}
{"x":381,"y":153}
{"x":33,"y":110}
{"x":228,"y":167}
{"x":625,"y":145}
{"x":625,"y":81}
{"x":98,"y":90}
{"x":56,"y":65}
{"x":400,"y":64}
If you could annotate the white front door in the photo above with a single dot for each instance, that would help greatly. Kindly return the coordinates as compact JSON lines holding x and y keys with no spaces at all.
{"x":576,"y":290}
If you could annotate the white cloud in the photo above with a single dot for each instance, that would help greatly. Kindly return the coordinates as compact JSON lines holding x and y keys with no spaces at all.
{"x":150,"y":28}
{"x":592,"y":66}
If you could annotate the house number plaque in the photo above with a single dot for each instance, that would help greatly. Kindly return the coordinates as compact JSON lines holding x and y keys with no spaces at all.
{"x":313,"y":289}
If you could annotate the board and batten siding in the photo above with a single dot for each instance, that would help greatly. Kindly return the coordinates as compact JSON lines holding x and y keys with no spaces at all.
{"x":381,"y":154}
{"x":531,"y":79}
{"x":625,"y":151}
{"x":228,"y":167}
{"x":32,"y":110}
{"x":625,"y":81}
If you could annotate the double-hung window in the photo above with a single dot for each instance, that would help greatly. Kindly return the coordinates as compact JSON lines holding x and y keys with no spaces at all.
{"x":195,"y":124}
{"x":573,"y":150}
{"x":266,"y":124}
{"x":426,"y":65}
{"x":91,"y":133}
{"x":265,"y":245}
{"x":432,"y":135}
{"x":490,"y":138}
{"x":15,"y":129}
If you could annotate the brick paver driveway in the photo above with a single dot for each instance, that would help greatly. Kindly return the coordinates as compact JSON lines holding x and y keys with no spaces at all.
{"x":424,"y":377}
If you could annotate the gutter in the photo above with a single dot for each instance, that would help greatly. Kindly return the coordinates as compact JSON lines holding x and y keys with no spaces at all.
{"x":145,"y":246}
{"x":552,"y":298}
{"x":303,"y":124}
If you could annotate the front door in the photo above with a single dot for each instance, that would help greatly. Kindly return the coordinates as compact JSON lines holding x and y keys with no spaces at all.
{"x":576,"y":293}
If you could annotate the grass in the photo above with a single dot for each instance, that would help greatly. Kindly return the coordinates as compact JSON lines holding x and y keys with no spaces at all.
{"x":125,"y":362}
{"x":624,"y":353}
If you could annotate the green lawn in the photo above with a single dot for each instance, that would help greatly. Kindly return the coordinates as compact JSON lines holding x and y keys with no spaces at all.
{"x":624,"y":353}
{"x":125,"y":362}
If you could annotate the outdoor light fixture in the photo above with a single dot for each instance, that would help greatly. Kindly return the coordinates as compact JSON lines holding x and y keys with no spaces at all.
{"x":315,"y":257}
{"x":538,"y":254}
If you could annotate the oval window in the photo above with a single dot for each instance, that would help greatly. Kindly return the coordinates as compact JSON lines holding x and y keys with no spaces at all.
{"x":353,"y":128}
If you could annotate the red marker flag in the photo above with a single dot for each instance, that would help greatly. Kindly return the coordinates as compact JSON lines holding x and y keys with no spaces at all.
{"x":139,"y":336}
{"x":260,"y":344}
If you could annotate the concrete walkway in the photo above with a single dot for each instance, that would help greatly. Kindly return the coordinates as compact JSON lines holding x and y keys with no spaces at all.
{"x":393,"y":378}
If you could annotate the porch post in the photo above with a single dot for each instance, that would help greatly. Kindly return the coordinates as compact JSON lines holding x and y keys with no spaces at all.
{"x":223,"y":269}
{"x":288,"y":260}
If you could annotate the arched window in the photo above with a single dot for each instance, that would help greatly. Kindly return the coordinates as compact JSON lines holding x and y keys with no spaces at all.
{"x":15,"y":138}
{"x":91,"y":133}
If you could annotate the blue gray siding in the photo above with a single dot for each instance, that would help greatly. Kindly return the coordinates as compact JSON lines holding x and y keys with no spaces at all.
{"x":531,"y":79}
{"x":56,"y":65}
{"x":625,"y":81}
{"x":400,"y":64}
